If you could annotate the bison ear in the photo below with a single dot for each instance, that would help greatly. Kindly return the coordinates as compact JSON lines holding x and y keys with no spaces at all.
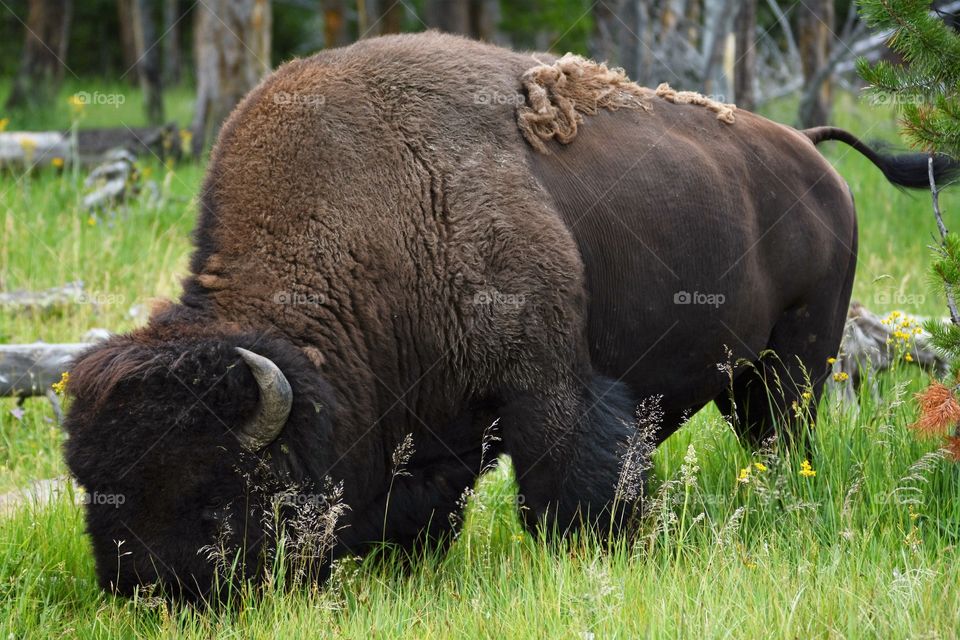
{"x":276,"y":400}
{"x":97,"y":371}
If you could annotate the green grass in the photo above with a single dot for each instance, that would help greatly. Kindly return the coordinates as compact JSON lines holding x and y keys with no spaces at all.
{"x":111,"y":103}
{"x":867,"y":547}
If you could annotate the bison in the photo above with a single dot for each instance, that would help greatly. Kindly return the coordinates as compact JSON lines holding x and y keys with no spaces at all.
{"x":408,"y":240}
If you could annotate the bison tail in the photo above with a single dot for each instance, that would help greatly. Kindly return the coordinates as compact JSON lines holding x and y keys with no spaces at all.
{"x":906,"y":170}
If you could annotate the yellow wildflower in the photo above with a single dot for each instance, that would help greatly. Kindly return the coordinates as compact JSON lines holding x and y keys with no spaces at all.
{"x":77,"y":104}
{"x":3,"y":123}
{"x":841,"y":376}
{"x":831,"y":360}
{"x":806,"y":470}
{"x":186,"y":136}
{"x":759,"y":466}
{"x":806,"y":395}
{"x":908,"y":357}
{"x":92,"y":221}
{"x":744,"y":475}
{"x":28,"y":144}
{"x":57,"y":162}
{"x":60,"y":386}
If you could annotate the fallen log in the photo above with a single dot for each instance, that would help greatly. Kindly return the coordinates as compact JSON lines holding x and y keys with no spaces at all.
{"x":42,"y":148}
{"x":39,"y":493}
{"x":28,"y":370}
{"x":95,"y":145}
{"x":46,"y":300}
{"x":31,"y":369}
{"x":28,"y":149}
{"x":116,"y":181}
{"x":871,"y":345}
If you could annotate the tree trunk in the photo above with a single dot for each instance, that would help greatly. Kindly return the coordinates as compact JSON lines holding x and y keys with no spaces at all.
{"x":334,"y":23}
{"x":692,"y":13}
{"x":815,"y":27}
{"x":636,"y":43}
{"x":127,"y":37}
{"x":171,"y":42}
{"x":484,"y":18}
{"x":391,"y":17}
{"x":362,"y":27}
{"x":745,"y":68}
{"x":232,"y":52}
{"x":606,"y":31}
{"x":452,"y":16}
{"x":42,"y":63}
{"x":717,"y":20}
{"x":148,"y":61}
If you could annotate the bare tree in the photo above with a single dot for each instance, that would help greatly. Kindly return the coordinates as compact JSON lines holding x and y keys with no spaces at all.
{"x":815,"y":34}
{"x":232,"y":52}
{"x":474,"y":18}
{"x":334,"y":23}
{"x":171,"y":41}
{"x":606,"y":31}
{"x":391,"y":16}
{"x":745,"y":68}
{"x":45,"y":48}
{"x":484,"y":18}
{"x":127,"y":38}
{"x":718,"y":16}
{"x":148,"y":60}
{"x":452,"y":16}
{"x":362,"y":28}
{"x":636,"y":42}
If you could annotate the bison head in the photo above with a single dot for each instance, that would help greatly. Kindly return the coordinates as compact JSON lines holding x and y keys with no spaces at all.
{"x":182,"y":445}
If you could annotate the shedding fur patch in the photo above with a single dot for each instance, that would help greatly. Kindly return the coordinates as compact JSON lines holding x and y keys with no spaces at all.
{"x":559,"y":94}
{"x":724,"y":111}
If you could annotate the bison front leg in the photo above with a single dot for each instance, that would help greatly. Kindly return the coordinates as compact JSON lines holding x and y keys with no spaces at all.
{"x":420,"y":509}
{"x":568,"y":447}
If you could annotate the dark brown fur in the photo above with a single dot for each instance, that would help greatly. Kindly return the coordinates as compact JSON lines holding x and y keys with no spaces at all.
{"x":374,"y":222}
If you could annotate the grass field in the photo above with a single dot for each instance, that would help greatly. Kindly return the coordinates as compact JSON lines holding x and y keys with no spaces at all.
{"x":867,"y":547}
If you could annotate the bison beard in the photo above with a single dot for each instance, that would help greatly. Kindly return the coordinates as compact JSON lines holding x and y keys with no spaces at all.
{"x":389,"y":230}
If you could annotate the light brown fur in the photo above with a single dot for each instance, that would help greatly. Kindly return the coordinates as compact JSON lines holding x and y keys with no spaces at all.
{"x":724,"y":111}
{"x":559,"y":93}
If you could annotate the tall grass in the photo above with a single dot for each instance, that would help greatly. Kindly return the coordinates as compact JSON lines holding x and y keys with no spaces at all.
{"x":866,"y":547}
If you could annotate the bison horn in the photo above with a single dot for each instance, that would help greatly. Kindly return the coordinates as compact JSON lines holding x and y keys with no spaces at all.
{"x":276,"y":399}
